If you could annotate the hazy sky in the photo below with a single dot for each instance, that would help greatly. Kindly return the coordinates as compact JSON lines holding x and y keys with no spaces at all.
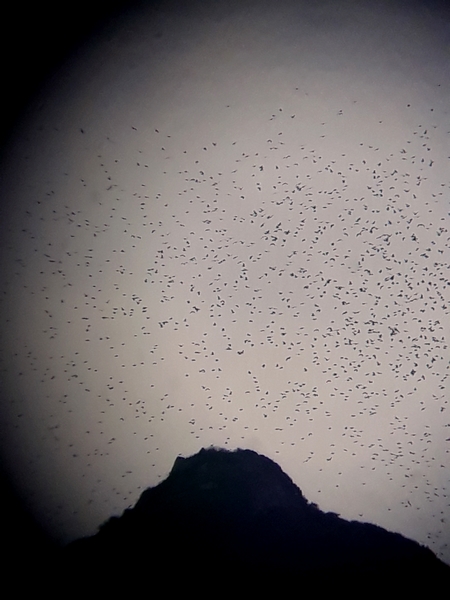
{"x":228,"y":226}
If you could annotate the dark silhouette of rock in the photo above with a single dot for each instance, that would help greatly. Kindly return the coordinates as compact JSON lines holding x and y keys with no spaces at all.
{"x":238,"y":518}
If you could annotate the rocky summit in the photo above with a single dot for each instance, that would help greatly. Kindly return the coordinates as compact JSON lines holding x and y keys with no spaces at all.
{"x":237,"y":517}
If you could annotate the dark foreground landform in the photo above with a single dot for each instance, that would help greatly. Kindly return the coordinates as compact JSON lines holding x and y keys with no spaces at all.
{"x":233,"y":518}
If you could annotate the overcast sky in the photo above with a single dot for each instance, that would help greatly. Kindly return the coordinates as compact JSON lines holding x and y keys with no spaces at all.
{"x":228,"y":225}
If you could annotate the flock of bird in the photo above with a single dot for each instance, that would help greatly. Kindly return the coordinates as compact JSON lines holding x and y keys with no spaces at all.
{"x":166,"y":296}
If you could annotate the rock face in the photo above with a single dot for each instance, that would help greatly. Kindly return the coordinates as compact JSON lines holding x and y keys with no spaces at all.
{"x":237,"y":517}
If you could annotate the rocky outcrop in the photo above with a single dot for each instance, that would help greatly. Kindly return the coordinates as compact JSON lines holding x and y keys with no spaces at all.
{"x":238,"y":518}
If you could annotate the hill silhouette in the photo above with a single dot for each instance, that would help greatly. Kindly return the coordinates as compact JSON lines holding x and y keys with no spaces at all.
{"x":236,"y":517}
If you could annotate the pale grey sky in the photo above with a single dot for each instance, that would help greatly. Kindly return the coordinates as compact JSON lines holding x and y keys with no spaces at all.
{"x":230,"y":228}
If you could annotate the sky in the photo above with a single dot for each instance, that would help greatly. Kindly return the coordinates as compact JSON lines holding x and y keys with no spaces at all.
{"x":227,"y":224}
